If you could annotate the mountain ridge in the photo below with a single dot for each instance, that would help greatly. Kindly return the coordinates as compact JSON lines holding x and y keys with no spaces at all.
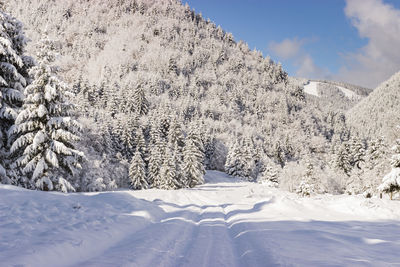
{"x":377,"y":115}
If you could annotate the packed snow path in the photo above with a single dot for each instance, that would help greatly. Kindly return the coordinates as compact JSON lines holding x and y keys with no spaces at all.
{"x":222,"y":223}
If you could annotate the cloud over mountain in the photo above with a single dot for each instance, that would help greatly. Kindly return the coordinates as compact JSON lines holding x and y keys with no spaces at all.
{"x":293,"y":50}
{"x":379,"y":58}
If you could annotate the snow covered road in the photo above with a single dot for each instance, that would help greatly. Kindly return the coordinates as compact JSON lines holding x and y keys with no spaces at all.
{"x":222,"y":223}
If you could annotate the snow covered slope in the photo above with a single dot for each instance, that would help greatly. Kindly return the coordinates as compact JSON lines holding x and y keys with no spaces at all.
{"x":348,"y":93}
{"x":378,"y":114}
{"x":333,"y":95}
{"x":351,"y":92}
{"x":222,"y":223}
{"x":311,"y":88}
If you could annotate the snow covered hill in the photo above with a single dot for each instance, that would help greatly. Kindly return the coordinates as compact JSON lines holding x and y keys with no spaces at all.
{"x":224,"y":222}
{"x":340,"y":96}
{"x":318,"y":88}
{"x":378,"y":114}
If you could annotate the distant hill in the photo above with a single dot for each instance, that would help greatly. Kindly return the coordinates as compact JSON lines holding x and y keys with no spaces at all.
{"x":379,"y":113}
{"x":337,"y":95}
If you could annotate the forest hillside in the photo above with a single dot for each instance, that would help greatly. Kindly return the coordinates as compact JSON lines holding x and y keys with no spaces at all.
{"x":378,"y":114}
{"x":161,"y":91}
{"x":333,"y":95}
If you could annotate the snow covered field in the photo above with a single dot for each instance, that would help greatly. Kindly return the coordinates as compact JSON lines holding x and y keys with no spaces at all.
{"x":224,"y":222}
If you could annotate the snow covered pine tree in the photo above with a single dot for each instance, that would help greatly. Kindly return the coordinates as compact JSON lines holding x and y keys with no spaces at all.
{"x":167,"y":177}
{"x":307,"y":183}
{"x":155,"y":159}
{"x":14,"y":67}
{"x":391,"y":182}
{"x":137,"y":172}
{"x":269,"y":177}
{"x":193,"y":166}
{"x":235,"y":163}
{"x":44,"y":130}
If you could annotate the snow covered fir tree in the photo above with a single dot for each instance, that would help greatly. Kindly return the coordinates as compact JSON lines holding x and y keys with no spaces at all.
{"x":45,"y":131}
{"x":391,"y":181}
{"x":193,"y":166}
{"x":137,"y":172}
{"x":166,"y":96}
{"x":14,"y":65}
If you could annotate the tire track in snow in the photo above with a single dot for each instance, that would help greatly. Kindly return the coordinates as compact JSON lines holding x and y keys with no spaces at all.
{"x":253,"y":249}
{"x":245,"y":250}
{"x":162,"y":242}
{"x":212,"y":244}
{"x":196,"y":234}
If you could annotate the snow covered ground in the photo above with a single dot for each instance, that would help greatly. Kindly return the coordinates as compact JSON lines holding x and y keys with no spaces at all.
{"x":224,"y":222}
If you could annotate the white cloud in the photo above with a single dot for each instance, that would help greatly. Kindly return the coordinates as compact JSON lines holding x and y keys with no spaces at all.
{"x":370,"y":65}
{"x":308,"y":69}
{"x":287,"y":49}
{"x":292,"y":50}
{"x":380,"y":58}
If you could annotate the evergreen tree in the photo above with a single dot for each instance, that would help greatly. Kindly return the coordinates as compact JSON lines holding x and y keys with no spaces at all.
{"x":141,"y":145}
{"x":209,"y":151}
{"x":357,"y":151}
{"x":167,"y":177}
{"x":113,"y":99}
{"x":342,"y":159}
{"x":45,"y":131}
{"x":115,"y":127}
{"x":307,"y":184}
{"x":195,"y":135}
{"x":193,"y":167}
{"x":177,"y":159}
{"x":157,"y":150}
{"x":175,"y":134}
{"x":235,"y":162}
{"x":376,"y":151}
{"x":305,"y":189}
{"x":355,"y":184}
{"x":14,"y":67}
{"x":269,"y":176}
{"x":279,"y":155}
{"x":249,"y":159}
{"x":164,"y":124}
{"x":155,"y":161}
{"x":229,"y":158}
{"x":258,"y":162}
{"x":391,"y":182}
{"x":137,"y":173}
{"x":128,"y":136}
{"x":142,"y":105}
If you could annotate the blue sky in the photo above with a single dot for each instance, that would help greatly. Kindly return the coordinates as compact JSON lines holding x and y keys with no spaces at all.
{"x":331,"y":39}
